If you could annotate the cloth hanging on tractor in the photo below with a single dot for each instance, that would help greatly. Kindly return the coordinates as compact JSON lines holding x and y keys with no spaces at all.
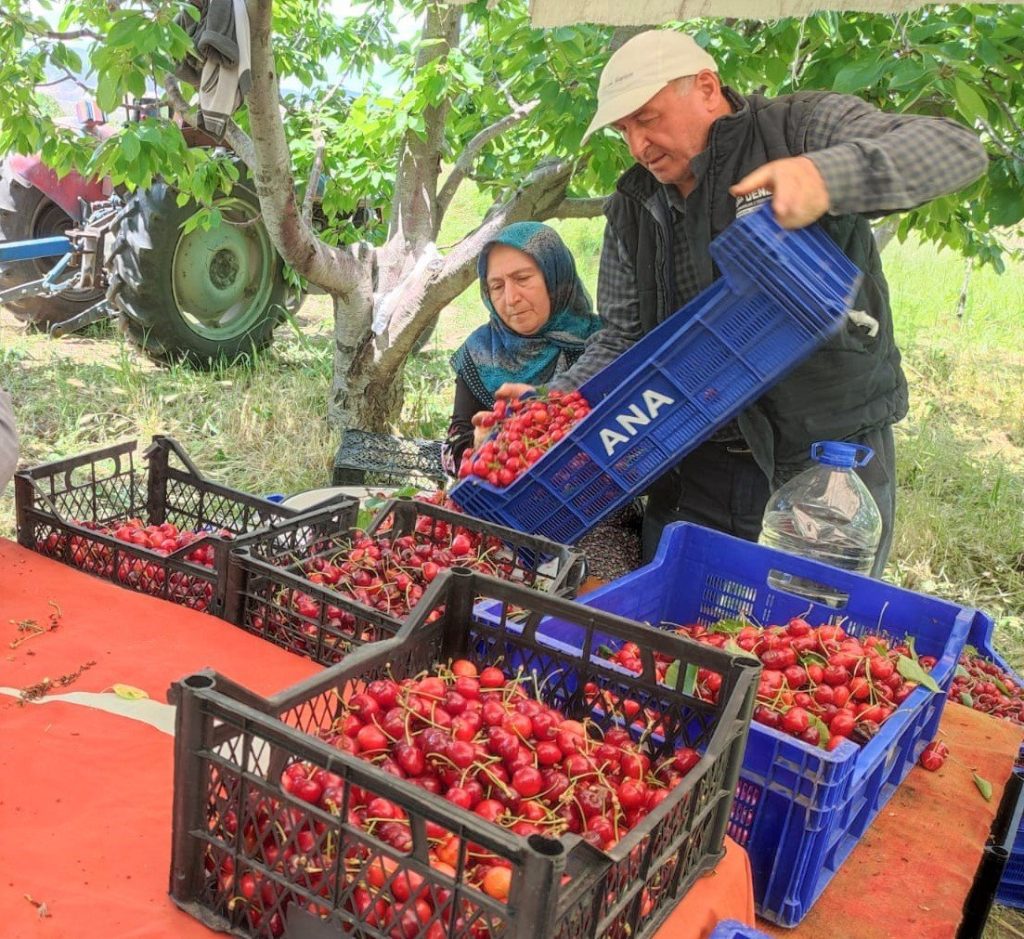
{"x":221,"y":37}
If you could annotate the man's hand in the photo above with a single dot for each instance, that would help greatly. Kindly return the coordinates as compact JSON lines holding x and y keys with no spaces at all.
{"x":513,"y":389}
{"x":799,"y":196}
{"x":509,"y":390}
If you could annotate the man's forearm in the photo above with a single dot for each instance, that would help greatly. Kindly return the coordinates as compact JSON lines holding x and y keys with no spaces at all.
{"x":874,"y":162}
{"x":603,"y":347}
{"x":618,"y":304}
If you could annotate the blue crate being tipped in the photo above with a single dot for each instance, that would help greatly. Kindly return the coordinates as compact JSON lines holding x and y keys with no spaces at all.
{"x":781,"y":294}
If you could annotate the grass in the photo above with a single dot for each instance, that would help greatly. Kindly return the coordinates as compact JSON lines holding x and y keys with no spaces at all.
{"x":263,"y":428}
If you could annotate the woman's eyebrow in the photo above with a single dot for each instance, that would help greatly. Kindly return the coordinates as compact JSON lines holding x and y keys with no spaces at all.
{"x":520,"y":270}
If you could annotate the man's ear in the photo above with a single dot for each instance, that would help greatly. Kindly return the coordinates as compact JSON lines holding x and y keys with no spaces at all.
{"x":708,"y":85}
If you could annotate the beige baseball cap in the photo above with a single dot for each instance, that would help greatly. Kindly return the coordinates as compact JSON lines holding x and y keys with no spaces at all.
{"x":640,"y":68}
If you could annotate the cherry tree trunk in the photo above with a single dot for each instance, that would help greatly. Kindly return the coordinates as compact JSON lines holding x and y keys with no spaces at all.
{"x":366,"y":389}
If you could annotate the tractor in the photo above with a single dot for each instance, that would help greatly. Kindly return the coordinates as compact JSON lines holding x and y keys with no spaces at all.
{"x":199,"y":297}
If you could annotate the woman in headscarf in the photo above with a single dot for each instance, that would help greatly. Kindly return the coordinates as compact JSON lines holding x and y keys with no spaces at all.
{"x":540,"y":318}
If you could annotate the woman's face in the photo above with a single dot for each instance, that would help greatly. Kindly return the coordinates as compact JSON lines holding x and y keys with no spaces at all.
{"x":517,"y":290}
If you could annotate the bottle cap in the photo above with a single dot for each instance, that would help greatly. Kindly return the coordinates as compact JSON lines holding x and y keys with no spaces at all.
{"x":840,"y":453}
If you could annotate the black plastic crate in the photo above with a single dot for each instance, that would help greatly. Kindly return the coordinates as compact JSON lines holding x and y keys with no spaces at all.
{"x":233,"y":818}
{"x":272,"y":596}
{"x":110,"y":485}
{"x":369,"y":459}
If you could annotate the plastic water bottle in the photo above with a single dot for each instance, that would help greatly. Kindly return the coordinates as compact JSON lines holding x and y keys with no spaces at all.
{"x":825,"y":513}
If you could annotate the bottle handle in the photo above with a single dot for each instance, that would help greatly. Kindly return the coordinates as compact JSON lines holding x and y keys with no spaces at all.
{"x":863,"y":455}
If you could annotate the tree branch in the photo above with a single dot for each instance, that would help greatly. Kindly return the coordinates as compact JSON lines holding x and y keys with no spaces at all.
{"x":883,"y":232}
{"x":334,"y":269}
{"x":237,"y":139}
{"x":414,"y":206}
{"x":313,"y":183}
{"x":68,"y":76}
{"x":1005,"y":108}
{"x":1001,"y":145}
{"x":623,"y":34}
{"x":580,"y":208}
{"x":71,"y":35}
{"x":465,"y":161}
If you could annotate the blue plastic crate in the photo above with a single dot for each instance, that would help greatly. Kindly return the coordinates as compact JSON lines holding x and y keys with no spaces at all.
{"x":734,"y":929}
{"x":799,"y":810}
{"x":1011,"y":886}
{"x":781,"y":294}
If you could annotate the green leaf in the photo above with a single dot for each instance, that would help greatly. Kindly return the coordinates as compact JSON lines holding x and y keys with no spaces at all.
{"x":824,"y":734}
{"x":108,"y":91}
{"x":995,"y":679}
{"x":961,"y":672}
{"x":129,"y":144}
{"x":690,"y":679}
{"x":124,"y":32}
{"x":912,"y":671}
{"x":671,"y":674}
{"x":730,"y":626}
{"x":859,"y":75}
{"x":969,"y":101}
{"x":606,"y":652}
{"x":984,"y":786}
{"x":966,"y":699}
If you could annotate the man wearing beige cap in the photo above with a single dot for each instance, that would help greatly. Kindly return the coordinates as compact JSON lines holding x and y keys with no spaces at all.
{"x":705,"y":154}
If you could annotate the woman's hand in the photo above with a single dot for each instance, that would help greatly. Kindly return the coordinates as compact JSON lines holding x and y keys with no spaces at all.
{"x":479,"y":431}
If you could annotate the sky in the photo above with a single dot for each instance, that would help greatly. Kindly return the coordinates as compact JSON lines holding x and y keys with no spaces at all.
{"x":66,"y":93}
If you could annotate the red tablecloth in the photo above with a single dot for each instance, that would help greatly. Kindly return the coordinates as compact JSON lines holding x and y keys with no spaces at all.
{"x":85,"y":796}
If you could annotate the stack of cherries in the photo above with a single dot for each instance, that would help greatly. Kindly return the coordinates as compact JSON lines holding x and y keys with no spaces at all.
{"x":526,"y":429}
{"x":819,"y":684}
{"x":147,"y":576}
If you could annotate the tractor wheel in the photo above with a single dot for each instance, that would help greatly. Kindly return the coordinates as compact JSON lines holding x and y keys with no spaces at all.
{"x":26,"y":213}
{"x":203,"y":297}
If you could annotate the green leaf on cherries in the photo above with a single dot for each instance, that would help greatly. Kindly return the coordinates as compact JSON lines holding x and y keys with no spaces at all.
{"x":730,"y":626}
{"x":984,"y":786}
{"x":965,"y":698}
{"x":995,"y":679}
{"x":606,"y":652}
{"x":824,"y":734}
{"x":689,"y":677}
{"x":911,"y":670}
{"x":962,"y":672}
